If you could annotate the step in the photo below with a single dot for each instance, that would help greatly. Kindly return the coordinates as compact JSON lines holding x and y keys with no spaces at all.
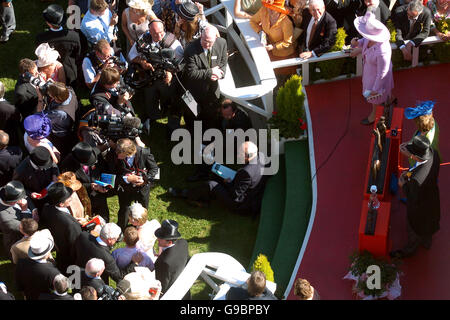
{"x":296,"y":212}
{"x":271,"y":217}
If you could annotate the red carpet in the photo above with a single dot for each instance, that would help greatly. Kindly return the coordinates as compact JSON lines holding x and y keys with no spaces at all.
{"x":340,"y":185}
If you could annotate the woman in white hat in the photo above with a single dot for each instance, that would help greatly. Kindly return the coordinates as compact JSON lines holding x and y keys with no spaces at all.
{"x":377,"y":78}
{"x":135,"y":19}
{"x":48,"y":65}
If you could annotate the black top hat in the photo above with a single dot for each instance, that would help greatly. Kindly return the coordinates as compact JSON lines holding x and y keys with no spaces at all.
{"x":85,"y":153}
{"x":41,"y":157}
{"x":54,"y":14}
{"x":58,"y":193}
{"x":188,"y":10}
{"x":168,"y":230}
{"x":13,"y":191}
{"x":419,"y":146}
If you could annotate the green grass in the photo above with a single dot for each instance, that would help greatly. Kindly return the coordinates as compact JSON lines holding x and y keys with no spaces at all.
{"x":207,"y":230}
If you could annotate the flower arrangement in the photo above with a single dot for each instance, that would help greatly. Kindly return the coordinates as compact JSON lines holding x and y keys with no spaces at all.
{"x":390,"y":286}
{"x":289,"y":118}
{"x":442,"y":23}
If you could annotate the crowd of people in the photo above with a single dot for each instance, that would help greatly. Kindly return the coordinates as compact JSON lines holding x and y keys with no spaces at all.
{"x":61,"y":161}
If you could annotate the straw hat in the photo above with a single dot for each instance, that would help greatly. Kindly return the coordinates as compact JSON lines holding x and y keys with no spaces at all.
{"x":41,"y":244}
{"x":46,"y":55}
{"x":140,"y":4}
{"x":69,"y":179}
{"x":371,"y":28}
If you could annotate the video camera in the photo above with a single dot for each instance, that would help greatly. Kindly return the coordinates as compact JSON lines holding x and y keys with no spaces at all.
{"x":115,"y":127}
{"x":114,"y":60}
{"x":109,"y":293}
{"x":161,"y":59}
{"x":42,"y":85}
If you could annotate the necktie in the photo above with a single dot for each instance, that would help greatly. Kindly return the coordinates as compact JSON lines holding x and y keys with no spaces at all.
{"x":86,"y":169}
{"x":311,"y":35}
{"x":209,"y":57}
{"x":105,"y":27}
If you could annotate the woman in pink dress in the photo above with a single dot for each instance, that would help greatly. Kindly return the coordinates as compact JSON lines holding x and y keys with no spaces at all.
{"x":377,"y":79}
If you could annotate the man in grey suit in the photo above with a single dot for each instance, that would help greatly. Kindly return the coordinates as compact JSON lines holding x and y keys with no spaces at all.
{"x":7,"y":20}
{"x":14,"y":206}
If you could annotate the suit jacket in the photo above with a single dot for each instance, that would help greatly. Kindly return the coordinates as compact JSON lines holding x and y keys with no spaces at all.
{"x":420,"y":30}
{"x":26,"y":98}
{"x":144,"y":162}
{"x":197,"y":71}
{"x":10,"y":121}
{"x":10,"y":218}
{"x":65,"y":230}
{"x":19,"y":250}
{"x":248,"y":186}
{"x":34,"y":180}
{"x":382,"y":12}
{"x":422,"y":192}
{"x":241,"y":120}
{"x":238,"y":293}
{"x":67,"y":43}
{"x":53,"y":296}
{"x":171,"y":263}
{"x":87,"y":247}
{"x":34,"y":278}
{"x":324,"y":37}
{"x":71,"y":164}
{"x":10,"y":157}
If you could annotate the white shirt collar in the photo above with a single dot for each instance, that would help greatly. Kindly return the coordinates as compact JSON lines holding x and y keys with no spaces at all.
{"x":65,"y":210}
{"x":164,"y":249}
{"x":101,"y":242}
{"x":56,"y":30}
{"x":60,"y":294}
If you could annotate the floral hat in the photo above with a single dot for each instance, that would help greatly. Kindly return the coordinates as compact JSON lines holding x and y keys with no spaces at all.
{"x":46,"y":55}
{"x":421,"y":109}
{"x":38,"y":126}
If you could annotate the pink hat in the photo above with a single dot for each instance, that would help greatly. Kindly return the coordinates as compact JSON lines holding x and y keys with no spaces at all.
{"x":372,"y":29}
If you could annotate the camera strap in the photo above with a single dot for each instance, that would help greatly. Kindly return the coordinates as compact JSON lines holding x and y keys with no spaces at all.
{"x":188,"y":98}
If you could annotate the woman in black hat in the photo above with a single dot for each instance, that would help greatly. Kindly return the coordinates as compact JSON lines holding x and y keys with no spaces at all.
{"x":422,"y":192}
{"x":190,"y":22}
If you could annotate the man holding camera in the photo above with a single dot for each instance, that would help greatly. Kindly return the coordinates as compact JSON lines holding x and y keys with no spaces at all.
{"x":136,"y":169}
{"x":101,"y":57}
{"x":163,"y":91}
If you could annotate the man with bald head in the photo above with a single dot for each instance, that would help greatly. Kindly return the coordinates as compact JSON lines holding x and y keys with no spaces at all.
{"x":243,"y":194}
{"x":205,"y":63}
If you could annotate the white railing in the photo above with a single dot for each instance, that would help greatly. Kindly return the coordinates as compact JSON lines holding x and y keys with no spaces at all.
{"x":340,"y":55}
{"x":258,"y":62}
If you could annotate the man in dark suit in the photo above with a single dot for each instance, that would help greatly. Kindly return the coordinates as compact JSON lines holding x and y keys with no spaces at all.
{"x":422,"y":194}
{"x":174,"y":256}
{"x":37,"y":170}
{"x":14,"y":206}
{"x":28,"y":98}
{"x":91,"y":275}
{"x":35,"y":274}
{"x":412,"y":24}
{"x":64,"y":227}
{"x":87,"y":247}
{"x":66,"y":42}
{"x":60,"y":287}
{"x":378,"y":7}
{"x":9,"y":118}
{"x":243,"y":194}
{"x":88,"y":165}
{"x":206,"y":59}
{"x":136,"y":169}
{"x":10,"y":157}
{"x":256,"y":289}
{"x":319,"y":33}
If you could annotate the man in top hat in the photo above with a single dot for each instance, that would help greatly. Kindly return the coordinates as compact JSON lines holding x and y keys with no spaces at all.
{"x":66,"y":42}
{"x":37,"y":171}
{"x":88,"y":165}
{"x":319,"y":31}
{"x":14,"y":206}
{"x":10,"y":157}
{"x":174,"y":254}
{"x":56,"y":216}
{"x":419,"y":184}
{"x":35,"y":274}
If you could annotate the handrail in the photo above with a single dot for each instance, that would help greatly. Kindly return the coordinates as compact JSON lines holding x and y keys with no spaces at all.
{"x":341,"y":54}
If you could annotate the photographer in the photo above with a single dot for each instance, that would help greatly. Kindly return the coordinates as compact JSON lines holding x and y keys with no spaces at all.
{"x":163,"y":90}
{"x":27,"y":96}
{"x":136,"y":168}
{"x":101,"y":57}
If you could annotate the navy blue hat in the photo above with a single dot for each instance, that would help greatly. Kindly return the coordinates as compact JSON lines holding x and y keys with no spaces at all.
{"x":187,"y":10}
{"x":419,"y":146}
{"x":54,"y":14}
{"x":37,"y":126}
{"x":421,"y":109}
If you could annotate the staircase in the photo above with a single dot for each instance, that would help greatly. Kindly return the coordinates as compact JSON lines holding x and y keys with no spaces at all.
{"x":285,"y":212}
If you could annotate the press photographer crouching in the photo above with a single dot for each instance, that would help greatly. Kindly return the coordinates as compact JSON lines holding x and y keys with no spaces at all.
{"x":156,"y":59}
{"x":110,"y":99}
